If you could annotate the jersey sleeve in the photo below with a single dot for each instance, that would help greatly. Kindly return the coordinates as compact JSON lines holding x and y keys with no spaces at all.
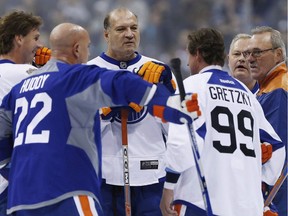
{"x":179,"y":152}
{"x":6,"y":140}
{"x":271,"y":169}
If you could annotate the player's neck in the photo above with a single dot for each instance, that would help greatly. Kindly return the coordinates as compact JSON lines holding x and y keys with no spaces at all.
{"x":251,"y":84}
{"x":14,"y":58}
{"x":121,"y":56}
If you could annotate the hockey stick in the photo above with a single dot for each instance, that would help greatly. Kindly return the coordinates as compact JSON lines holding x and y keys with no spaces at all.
{"x":175,"y":64}
{"x":124,"y":119}
{"x":276,"y":186}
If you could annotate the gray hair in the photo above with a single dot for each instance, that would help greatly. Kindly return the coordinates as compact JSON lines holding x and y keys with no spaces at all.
{"x":276,"y":39}
{"x":238,"y":37}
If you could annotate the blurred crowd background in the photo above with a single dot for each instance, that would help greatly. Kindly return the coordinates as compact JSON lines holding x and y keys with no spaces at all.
{"x":164,"y":24}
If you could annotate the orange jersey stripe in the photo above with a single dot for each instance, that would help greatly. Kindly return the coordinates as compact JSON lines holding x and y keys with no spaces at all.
{"x":85,"y":205}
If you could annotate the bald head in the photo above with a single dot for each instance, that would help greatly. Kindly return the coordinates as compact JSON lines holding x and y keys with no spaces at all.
{"x":70,"y":42}
{"x":115,"y":14}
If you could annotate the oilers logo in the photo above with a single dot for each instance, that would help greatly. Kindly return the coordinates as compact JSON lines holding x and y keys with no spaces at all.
{"x":133,"y":116}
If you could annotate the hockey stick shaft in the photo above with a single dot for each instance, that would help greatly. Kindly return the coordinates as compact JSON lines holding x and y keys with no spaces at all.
{"x":276,"y":186}
{"x":176,"y":64}
{"x":124,"y":119}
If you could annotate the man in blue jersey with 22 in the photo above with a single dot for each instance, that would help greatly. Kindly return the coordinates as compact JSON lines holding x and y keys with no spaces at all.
{"x":50,"y":128}
{"x":146,"y":136}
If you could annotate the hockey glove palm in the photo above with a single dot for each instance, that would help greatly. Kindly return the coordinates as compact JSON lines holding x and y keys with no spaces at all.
{"x":173,"y":110}
{"x":42,"y":56}
{"x":155,"y":72}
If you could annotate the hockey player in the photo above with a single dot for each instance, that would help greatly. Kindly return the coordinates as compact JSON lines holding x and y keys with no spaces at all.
{"x":228,"y":138}
{"x":52,"y":118}
{"x":238,"y":64}
{"x":19,"y":42}
{"x":266,"y":56}
{"x":240,"y":69}
{"x":146,"y":136}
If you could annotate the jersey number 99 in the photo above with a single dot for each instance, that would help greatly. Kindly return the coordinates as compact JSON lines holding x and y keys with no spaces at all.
{"x":231,"y":130}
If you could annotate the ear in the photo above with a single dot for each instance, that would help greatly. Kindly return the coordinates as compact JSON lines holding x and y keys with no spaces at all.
{"x":76,"y":50}
{"x":279,"y":53}
{"x":198,"y":56}
{"x":106,"y":35}
{"x":18,"y":40}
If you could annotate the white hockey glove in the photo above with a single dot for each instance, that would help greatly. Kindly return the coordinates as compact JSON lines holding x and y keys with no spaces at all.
{"x":172,"y":110}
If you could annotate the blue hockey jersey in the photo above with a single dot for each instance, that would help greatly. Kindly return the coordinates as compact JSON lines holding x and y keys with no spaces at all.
{"x":55,"y":122}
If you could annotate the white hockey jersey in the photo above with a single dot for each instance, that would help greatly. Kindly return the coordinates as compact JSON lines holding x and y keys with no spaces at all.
{"x":228,"y":133}
{"x":146,"y":146}
{"x":10,"y":75}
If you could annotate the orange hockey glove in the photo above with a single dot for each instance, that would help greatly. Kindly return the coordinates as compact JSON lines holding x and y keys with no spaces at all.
{"x":268,"y":212}
{"x":266,"y":152}
{"x":135,"y":107}
{"x":42,"y":55}
{"x":107,"y":112}
{"x":156,"y":72}
{"x":151,"y":72}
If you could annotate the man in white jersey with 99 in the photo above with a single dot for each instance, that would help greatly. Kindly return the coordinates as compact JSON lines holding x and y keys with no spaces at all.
{"x":145,"y":135}
{"x":228,"y":134}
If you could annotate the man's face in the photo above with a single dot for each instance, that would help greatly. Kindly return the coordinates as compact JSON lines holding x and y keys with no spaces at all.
{"x":238,"y":64}
{"x":264,"y":59}
{"x":122,"y":36}
{"x":193,"y":63}
{"x":29,"y":45}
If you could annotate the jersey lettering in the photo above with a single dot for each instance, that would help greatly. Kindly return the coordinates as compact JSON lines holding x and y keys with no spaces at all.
{"x":34,"y":83}
{"x":229,"y":95}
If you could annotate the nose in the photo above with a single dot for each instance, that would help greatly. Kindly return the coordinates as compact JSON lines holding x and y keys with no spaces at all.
{"x":250,"y":58}
{"x":39,"y":44}
{"x":242,"y":57}
{"x":129,"y":33}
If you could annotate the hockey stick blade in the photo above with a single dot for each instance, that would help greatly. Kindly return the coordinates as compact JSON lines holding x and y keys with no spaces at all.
{"x":176,"y":66}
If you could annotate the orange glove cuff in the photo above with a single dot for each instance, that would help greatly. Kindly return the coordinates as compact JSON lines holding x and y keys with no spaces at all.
{"x":266,"y":152}
{"x":135,"y":107}
{"x":173,"y":83}
{"x":158,"y":111}
{"x":106,"y":110}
